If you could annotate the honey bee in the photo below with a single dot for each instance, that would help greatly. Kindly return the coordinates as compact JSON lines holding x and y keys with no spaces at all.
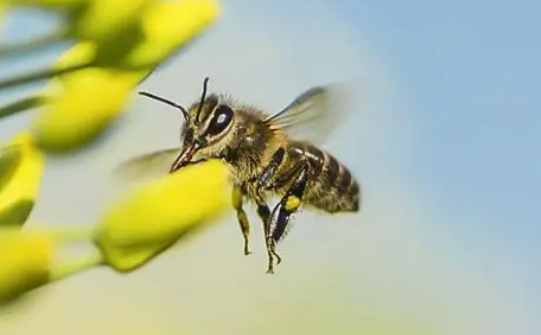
{"x":268,"y":155}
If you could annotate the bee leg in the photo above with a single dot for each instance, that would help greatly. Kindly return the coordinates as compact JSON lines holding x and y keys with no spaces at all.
{"x":288,"y":205}
{"x":266,"y":177}
{"x":264,"y":213}
{"x":237,"y":198}
{"x":263,"y":210}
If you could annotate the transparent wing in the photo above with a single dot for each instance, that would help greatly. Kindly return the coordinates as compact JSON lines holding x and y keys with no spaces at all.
{"x":145,"y":166}
{"x":315,"y":114}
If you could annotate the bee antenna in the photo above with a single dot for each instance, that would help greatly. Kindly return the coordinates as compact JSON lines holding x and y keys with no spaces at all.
{"x":168,"y":102}
{"x":205,"y":84}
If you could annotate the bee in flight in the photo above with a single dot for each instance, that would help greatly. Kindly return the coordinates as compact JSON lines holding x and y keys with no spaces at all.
{"x":268,"y":155}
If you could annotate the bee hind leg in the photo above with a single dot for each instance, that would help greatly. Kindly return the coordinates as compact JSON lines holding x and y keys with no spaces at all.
{"x":288,"y":205}
{"x":237,"y":198}
{"x":264,"y":213}
{"x":263,"y":181}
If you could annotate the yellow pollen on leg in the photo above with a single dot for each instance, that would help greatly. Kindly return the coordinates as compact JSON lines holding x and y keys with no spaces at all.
{"x":292,"y":203}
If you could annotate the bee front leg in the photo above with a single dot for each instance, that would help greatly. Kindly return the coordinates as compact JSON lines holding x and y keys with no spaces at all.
{"x":237,"y":198}
{"x":288,"y":205}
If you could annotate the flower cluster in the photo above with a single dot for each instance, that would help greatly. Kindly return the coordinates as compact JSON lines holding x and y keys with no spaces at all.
{"x":116,"y":45}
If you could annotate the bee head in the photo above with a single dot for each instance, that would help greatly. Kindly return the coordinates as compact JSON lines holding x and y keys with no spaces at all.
{"x":207,"y":122}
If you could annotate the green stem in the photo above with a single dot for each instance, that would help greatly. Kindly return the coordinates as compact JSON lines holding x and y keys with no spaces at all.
{"x":57,"y":234}
{"x":93,"y":258}
{"x":21,"y":105}
{"x":39,"y":75}
{"x":72,"y":235}
{"x":33,"y":45}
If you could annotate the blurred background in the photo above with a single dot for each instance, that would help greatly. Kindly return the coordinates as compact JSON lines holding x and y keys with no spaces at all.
{"x":442,"y":142}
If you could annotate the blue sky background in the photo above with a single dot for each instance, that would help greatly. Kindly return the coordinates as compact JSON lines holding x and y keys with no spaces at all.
{"x":444,"y":142}
{"x":470,"y":72}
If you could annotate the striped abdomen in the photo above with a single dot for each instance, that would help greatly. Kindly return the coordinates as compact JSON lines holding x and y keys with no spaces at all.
{"x":331,"y":187}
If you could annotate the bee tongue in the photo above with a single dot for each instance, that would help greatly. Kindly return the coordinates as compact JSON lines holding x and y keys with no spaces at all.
{"x":183,"y":158}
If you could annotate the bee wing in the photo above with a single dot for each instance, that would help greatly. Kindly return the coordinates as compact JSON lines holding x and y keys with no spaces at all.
{"x":315,"y":114}
{"x":148,"y":165}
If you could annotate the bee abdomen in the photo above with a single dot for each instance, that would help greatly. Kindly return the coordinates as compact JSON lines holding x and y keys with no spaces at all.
{"x":331,"y":187}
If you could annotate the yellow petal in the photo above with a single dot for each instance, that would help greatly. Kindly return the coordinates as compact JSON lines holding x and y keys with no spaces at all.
{"x":103,"y":19}
{"x":25,"y":260}
{"x":168,"y":25}
{"x":153,"y":219}
{"x":21,"y":171}
{"x":83,"y":109}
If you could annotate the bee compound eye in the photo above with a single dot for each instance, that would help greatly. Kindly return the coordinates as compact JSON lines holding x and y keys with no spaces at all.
{"x":223,"y":115}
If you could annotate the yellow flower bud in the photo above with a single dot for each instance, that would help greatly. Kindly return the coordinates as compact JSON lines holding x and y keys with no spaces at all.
{"x":82,"y":104}
{"x":26,"y":260}
{"x":152,"y":220}
{"x":21,"y":170}
{"x":91,"y":100}
{"x":102,"y":19}
{"x":168,"y":25}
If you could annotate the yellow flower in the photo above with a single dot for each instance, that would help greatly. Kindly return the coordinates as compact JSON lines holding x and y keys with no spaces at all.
{"x":21,"y":170}
{"x":93,"y":99}
{"x":103,"y":19}
{"x":122,"y":20}
{"x":95,"y":58}
{"x":152,"y":220}
{"x":161,"y":28}
{"x":94,"y":20}
{"x":82,"y":104}
{"x":26,"y":260}
{"x":168,"y":25}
